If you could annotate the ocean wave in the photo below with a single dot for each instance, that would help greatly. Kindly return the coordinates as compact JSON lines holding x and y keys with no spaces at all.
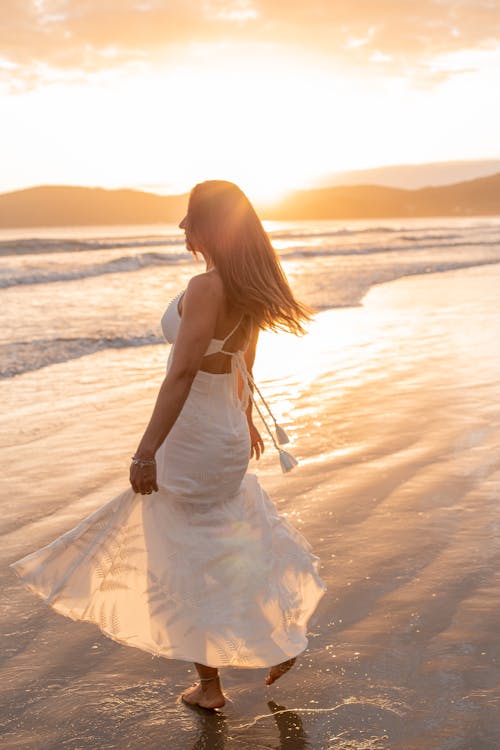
{"x":429,"y":237}
{"x":405,"y":232}
{"x":301,"y":252}
{"x":42,"y":245}
{"x":176,"y":243}
{"x":279,"y":234}
{"x":20,"y":276}
{"x":10,"y":276}
{"x":18,"y":357}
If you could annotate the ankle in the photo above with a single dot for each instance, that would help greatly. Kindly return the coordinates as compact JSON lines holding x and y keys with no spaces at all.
{"x":210,"y":683}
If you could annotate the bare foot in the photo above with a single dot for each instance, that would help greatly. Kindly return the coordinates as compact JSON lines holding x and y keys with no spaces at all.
{"x":277,"y":671}
{"x":206,"y":695}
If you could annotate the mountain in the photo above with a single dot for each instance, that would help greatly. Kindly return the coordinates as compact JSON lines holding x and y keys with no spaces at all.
{"x":413,"y":176}
{"x":62,"y":205}
{"x":77,"y":206}
{"x":472,"y":198}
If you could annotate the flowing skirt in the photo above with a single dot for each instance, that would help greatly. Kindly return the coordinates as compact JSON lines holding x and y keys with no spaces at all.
{"x":203,"y":570}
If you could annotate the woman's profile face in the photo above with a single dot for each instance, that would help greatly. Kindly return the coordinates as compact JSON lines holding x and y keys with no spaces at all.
{"x":184,"y":225}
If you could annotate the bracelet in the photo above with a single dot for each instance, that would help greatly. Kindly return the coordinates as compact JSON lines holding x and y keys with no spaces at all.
{"x":141,"y":462}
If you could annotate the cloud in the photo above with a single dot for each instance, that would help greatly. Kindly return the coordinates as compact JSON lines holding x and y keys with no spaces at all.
{"x":43,"y":37}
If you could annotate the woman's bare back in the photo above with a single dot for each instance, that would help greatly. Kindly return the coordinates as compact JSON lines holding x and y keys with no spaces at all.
{"x":227,"y":319}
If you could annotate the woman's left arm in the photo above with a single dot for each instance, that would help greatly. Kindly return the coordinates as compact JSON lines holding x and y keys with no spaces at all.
{"x":199,"y":315}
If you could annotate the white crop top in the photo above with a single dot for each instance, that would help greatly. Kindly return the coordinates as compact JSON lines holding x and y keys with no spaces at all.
{"x":170,"y":326}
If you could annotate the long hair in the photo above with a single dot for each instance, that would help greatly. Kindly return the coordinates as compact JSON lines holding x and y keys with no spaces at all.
{"x":224,"y":223}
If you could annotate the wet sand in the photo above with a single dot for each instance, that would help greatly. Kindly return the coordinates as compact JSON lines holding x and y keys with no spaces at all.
{"x":394,"y":411}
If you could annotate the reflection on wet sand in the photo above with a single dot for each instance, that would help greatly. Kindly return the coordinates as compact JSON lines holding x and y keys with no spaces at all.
{"x":290,"y":727}
{"x":214,"y":730}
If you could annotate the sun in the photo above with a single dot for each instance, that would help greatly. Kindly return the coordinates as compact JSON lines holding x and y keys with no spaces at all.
{"x":271,"y":123}
{"x":262,"y":191}
{"x":248,"y":122}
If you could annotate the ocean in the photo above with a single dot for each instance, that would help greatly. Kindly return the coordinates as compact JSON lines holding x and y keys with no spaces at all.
{"x":68,"y":292}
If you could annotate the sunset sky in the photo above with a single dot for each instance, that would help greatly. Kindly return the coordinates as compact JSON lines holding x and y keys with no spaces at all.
{"x":272,"y":94}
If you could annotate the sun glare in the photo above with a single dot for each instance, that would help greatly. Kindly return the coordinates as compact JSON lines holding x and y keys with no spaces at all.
{"x":258,"y":122}
{"x":269,"y":122}
{"x":262,"y":123}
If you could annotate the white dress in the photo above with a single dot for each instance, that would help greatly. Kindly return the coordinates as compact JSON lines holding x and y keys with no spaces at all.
{"x":203,"y":570}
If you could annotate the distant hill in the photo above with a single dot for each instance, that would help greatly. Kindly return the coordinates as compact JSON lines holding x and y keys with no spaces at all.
{"x":472,"y":198}
{"x":412,"y":176}
{"x":64,"y":205}
{"x":77,"y":206}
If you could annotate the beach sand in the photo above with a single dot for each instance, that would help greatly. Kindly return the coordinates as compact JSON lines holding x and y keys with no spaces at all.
{"x":394,"y":412}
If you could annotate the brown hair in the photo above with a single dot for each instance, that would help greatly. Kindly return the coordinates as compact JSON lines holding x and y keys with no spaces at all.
{"x":222,"y":220}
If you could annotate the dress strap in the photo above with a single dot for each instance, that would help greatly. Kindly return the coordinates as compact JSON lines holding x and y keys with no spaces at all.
{"x":231,"y":332}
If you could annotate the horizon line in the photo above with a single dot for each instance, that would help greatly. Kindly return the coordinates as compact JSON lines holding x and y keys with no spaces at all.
{"x":143,"y":189}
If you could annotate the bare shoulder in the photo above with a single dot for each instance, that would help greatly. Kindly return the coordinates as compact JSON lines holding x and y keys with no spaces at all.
{"x":205,"y":289}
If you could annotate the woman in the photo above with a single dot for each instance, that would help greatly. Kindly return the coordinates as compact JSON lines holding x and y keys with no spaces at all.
{"x":194,"y":562}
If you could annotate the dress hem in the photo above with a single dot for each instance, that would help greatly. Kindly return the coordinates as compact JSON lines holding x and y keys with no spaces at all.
{"x":155,"y":653}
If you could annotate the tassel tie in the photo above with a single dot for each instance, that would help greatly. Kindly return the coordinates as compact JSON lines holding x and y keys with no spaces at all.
{"x":287,"y":461}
